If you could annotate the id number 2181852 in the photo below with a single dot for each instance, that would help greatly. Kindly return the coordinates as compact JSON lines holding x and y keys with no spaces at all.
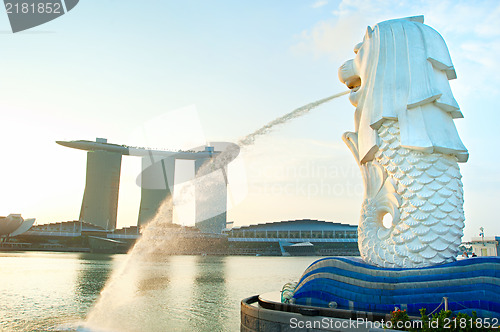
{"x":32,"y":8}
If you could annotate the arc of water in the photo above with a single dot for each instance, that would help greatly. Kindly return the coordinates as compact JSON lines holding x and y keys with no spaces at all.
{"x":250,"y":139}
{"x":157,"y":239}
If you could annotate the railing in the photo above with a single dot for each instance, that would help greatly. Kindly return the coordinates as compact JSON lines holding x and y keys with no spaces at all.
{"x":255,"y":239}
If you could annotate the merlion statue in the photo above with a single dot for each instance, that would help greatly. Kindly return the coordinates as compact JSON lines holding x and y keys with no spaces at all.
{"x":406,"y":144}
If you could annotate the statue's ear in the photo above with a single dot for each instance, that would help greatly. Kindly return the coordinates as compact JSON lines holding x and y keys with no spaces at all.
{"x":419,"y":19}
{"x":357,"y":47}
{"x":369,"y":32}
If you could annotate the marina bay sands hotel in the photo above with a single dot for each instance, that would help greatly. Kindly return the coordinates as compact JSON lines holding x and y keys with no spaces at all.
{"x":100,"y":199}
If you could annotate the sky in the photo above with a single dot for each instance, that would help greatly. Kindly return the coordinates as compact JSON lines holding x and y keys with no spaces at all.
{"x":170,"y":74}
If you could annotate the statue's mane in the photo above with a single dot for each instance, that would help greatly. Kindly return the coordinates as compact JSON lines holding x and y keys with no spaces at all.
{"x":410,"y":66}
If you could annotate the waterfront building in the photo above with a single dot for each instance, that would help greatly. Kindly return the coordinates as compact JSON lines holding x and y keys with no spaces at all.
{"x":100,"y":198}
{"x":211,"y":197}
{"x":295,"y":237}
{"x":80,"y":236}
{"x":65,"y":229}
{"x":486,"y":246}
{"x":14,"y":224}
{"x":102,"y":183}
{"x":11,"y":226}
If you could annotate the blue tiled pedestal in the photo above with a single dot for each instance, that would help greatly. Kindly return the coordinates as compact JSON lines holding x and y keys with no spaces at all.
{"x":470,"y":285}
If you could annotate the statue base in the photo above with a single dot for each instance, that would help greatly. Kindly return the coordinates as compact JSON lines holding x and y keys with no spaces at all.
{"x":348,"y":283}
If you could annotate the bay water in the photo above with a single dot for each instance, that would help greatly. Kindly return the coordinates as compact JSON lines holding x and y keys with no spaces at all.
{"x":50,"y":291}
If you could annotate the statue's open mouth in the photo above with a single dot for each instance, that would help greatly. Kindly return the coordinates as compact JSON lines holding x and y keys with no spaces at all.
{"x":353,"y":83}
{"x":349,"y":76}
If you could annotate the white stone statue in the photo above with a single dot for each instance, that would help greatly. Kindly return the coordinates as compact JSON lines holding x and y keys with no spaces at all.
{"x":406,"y":145}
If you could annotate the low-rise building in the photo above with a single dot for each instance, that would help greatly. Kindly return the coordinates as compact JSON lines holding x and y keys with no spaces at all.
{"x":486,"y":246}
{"x":327,"y":238}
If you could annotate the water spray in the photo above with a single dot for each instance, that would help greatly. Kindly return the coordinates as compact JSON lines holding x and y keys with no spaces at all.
{"x":250,"y":139}
{"x":157,"y":240}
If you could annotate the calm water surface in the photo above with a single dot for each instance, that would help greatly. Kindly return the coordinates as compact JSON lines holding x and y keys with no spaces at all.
{"x":42,"y":291}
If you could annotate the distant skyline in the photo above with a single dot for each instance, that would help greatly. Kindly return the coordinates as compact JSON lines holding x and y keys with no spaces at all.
{"x":167,"y":74}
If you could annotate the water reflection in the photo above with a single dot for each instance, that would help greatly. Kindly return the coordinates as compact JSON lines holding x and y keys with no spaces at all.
{"x":177,"y":293}
{"x":42,"y":290}
{"x":93,"y":272}
{"x":55,"y":291}
{"x":154,"y":282}
{"x":209,"y":293}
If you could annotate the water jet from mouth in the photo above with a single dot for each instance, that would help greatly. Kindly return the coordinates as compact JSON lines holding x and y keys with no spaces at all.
{"x":119,"y":305}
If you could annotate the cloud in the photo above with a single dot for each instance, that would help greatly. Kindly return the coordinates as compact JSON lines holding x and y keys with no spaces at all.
{"x":319,"y":3}
{"x":471,"y":31}
{"x":333,"y":38}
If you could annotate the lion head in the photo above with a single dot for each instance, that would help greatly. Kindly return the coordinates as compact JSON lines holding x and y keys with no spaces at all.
{"x":401,"y":72}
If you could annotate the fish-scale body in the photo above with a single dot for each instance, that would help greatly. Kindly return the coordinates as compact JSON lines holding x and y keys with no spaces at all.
{"x":422,"y":191}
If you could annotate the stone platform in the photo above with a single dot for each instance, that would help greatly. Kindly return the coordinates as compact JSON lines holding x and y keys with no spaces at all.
{"x":265,"y":313}
{"x":348,"y":283}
